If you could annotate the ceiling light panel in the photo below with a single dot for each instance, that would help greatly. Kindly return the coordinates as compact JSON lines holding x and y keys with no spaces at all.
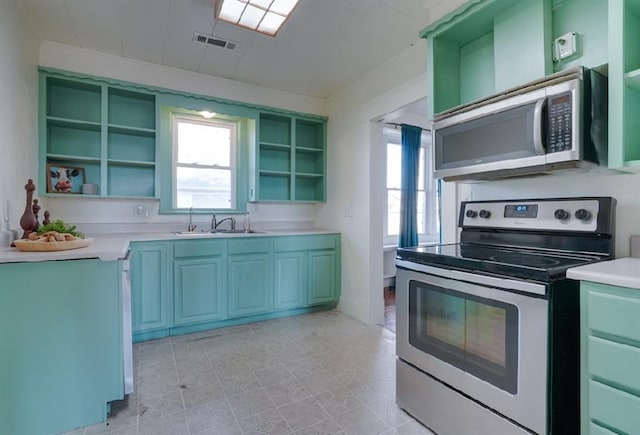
{"x":264,"y":16}
{"x":283,"y":7}
{"x":251,"y":17}
{"x":231,"y":10}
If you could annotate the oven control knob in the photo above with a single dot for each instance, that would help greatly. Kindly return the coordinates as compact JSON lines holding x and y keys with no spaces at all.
{"x":485,"y":214}
{"x":471,"y":213}
{"x":583,"y":214}
{"x":561,"y":214}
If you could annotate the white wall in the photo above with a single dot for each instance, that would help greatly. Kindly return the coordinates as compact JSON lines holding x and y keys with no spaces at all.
{"x":19,"y":108}
{"x":355,"y":168}
{"x":90,"y":213}
{"x":624,"y":187}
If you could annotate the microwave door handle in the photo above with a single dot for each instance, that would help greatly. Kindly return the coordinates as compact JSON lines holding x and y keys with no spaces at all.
{"x":537,"y":127}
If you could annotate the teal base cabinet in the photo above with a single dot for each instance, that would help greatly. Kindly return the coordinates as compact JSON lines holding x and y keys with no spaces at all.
{"x":290,"y":273}
{"x":314,"y":264}
{"x":198,"y":280}
{"x":229,"y":281}
{"x":322,"y":276}
{"x":610,"y":354}
{"x":60,"y":344}
{"x":149,"y":286}
{"x":249,"y":273}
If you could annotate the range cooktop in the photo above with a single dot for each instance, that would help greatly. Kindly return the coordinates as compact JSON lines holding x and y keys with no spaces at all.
{"x":523,"y":263}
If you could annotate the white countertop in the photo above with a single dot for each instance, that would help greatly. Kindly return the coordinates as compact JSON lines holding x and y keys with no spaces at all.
{"x":111,"y":247}
{"x":623,"y":272}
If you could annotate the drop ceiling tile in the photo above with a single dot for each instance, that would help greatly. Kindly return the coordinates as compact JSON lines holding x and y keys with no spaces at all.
{"x":96,"y":24}
{"x":143,"y":28}
{"x":52,"y":20}
{"x":186,"y":17}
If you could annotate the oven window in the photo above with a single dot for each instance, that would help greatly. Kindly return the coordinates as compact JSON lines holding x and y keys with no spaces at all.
{"x":477,"y":335}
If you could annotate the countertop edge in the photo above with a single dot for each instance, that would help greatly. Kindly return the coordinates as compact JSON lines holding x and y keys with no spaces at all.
{"x":622,"y":272}
{"x":114,"y":247}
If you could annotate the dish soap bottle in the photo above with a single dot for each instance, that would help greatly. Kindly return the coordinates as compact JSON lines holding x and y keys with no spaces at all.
{"x":246,"y":224}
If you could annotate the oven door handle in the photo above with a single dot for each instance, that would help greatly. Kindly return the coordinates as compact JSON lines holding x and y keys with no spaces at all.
{"x":502,"y":283}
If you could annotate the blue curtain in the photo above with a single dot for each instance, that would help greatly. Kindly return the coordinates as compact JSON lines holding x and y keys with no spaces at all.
{"x":410,"y":140}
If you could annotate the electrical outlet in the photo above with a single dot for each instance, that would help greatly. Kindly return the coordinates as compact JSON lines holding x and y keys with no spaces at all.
{"x":565,"y":46}
{"x":141,"y":211}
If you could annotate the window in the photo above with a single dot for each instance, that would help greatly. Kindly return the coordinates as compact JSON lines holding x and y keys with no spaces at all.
{"x":428,"y":212}
{"x":204,"y":170}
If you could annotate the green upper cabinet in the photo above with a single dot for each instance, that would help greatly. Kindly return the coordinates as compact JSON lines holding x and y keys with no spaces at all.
{"x":486,"y":47}
{"x":289,"y":159}
{"x":107,"y":131}
{"x":624,"y":84}
{"x":489,"y":46}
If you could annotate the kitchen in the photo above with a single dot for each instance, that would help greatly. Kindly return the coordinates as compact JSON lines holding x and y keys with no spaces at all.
{"x":354,"y":147}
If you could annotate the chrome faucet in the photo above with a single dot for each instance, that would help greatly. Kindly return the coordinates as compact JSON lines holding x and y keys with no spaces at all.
{"x":191,"y":227}
{"x":215,"y":224}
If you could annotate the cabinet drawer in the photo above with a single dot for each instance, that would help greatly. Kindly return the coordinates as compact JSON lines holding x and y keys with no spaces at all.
{"x":614,"y":408}
{"x":199,"y":248}
{"x":614,"y":362}
{"x":595,"y":429}
{"x":304,"y":243}
{"x":249,"y":246}
{"x":613,"y":314}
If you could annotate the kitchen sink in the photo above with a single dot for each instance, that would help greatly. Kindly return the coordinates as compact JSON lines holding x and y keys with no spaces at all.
{"x":221,"y":232}
{"x":236,"y":232}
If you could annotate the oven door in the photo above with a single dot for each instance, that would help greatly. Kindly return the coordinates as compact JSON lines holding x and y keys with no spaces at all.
{"x":485,"y":337}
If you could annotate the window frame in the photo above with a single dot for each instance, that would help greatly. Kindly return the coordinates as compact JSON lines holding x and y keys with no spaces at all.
{"x":245,"y":118}
{"x":430,"y":187}
{"x":233,"y":168}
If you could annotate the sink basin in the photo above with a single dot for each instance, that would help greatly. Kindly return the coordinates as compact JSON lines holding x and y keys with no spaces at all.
{"x":189,"y":233}
{"x":221,"y":232}
{"x":236,"y":232}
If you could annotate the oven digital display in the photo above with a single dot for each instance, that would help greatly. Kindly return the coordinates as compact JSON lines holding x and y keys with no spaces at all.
{"x":521,"y":211}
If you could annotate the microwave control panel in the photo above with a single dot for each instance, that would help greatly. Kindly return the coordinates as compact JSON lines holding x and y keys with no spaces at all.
{"x":559,"y":117}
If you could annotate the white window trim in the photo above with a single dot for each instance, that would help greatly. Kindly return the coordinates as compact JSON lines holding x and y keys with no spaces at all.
{"x":175,"y":118}
{"x":430,"y":187}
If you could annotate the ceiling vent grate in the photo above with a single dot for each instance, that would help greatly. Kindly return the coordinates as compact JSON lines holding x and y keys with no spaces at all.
{"x":215,"y":41}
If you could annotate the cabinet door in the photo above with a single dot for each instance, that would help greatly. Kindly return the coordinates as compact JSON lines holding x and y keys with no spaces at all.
{"x":250,"y":290}
{"x":322,"y":276}
{"x":149,"y":286}
{"x":290,"y":280}
{"x":198,"y":290}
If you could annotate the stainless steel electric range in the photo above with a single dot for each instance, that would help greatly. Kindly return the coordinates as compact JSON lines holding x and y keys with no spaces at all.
{"x":488,"y":328}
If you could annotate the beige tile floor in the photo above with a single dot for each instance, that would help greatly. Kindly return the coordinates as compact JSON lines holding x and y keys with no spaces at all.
{"x":321,"y":373}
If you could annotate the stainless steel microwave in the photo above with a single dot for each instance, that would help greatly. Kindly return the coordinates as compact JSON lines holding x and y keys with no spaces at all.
{"x":559,"y":122}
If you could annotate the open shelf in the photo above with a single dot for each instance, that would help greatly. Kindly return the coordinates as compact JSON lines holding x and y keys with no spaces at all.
{"x":74,"y":100}
{"x":116,"y":146}
{"x":275,"y":129}
{"x":275,"y":187}
{"x":309,"y":134}
{"x":309,"y":188}
{"x":81,"y":140}
{"x":275,"y":159}
{"x":309,"y":162}
{"x":133,"y":109}
{"x":288,"y":147}
{"x":138,"y":146}
{"x":128,"y":180}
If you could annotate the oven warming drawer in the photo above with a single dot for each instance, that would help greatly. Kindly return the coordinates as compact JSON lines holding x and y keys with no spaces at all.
{"x":432,"y":402}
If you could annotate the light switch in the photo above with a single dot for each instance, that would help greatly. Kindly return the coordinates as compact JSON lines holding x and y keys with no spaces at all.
{"x":635,"y":246}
